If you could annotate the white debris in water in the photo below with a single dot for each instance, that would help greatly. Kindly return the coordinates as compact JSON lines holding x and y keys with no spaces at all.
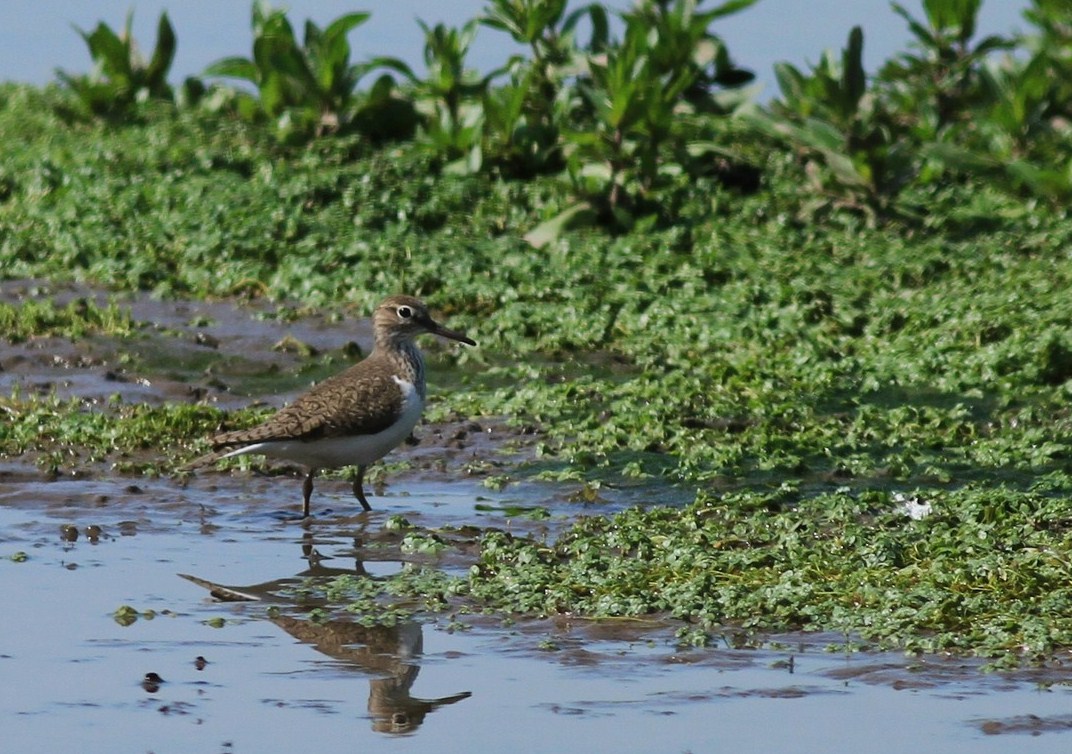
{"x":912,"y":506}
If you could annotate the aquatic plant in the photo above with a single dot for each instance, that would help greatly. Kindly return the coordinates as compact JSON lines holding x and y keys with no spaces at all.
{"x":75,"y":320}
{"x":984,"y":573}
{"x":55,"y":431}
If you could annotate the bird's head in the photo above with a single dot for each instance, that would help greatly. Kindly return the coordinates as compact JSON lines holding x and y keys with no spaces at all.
{"x":406,"y":317}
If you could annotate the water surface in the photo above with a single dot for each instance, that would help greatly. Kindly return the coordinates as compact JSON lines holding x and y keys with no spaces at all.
{"x":275,"y":685}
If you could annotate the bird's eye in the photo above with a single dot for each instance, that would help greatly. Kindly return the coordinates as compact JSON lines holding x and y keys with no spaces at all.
{"x":405,"y":312}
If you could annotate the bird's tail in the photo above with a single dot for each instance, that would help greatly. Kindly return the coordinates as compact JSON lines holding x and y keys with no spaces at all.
{"x":206,"y":460}
{"x":224,"y":445}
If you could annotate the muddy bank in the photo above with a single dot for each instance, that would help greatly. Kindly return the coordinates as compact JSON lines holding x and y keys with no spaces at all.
{"x":231,"y":355}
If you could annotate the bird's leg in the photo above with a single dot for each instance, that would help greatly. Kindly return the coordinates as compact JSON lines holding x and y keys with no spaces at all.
{"x":359,"y":491}
{"x":307,"y":492}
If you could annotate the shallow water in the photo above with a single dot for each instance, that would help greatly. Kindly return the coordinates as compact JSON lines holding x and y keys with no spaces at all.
{"x":74,"y":674}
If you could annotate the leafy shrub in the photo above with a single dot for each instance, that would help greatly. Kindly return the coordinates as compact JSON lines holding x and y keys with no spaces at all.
{"x":635,"y":100}
{"x":451,"y":95}
{"x":1015,"y":130}
{"x":853,"y":150}
{"x":632,"y":123}
{"x":524,"y":118}
{"x":939,"y":84}
{"x":307,"y":89}
{"x":121,"y":78}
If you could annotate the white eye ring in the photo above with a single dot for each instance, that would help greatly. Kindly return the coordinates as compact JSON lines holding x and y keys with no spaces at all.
{"x":405,"y":312}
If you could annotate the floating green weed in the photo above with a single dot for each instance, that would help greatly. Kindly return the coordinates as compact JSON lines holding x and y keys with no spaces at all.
{"x":414,"y":591}
{"x":422,"y":544}
{"x":73,"y":431}
{"x":986,"y":572}
{"x":125,"y":615}
{"x":75,"y":320}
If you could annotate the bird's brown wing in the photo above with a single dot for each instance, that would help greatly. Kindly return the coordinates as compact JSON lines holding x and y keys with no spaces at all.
{"x":345,"y":404}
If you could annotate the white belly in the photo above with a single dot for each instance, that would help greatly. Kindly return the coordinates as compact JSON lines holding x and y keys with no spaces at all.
{"x":356,"y":450}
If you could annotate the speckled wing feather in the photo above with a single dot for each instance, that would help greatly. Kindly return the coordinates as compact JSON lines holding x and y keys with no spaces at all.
{"x":362,"y":400}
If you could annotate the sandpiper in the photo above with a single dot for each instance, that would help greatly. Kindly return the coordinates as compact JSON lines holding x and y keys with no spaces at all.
{"x":356,"y":417}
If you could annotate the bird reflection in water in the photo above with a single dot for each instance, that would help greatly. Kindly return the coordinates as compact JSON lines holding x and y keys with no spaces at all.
{"x":389,"y":653}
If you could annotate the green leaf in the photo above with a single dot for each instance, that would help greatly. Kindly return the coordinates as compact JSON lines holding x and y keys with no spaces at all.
{"x":728,"y":8}
{"x":921,"y":32}
{"x":822,"y":135}
{"x":273,"y":94}
{"x":705,"y":148}
{"x":790,"y":82}
{"x":110,"y":52}
{"x":960,"y":158}
{"x":236,"y":68}
{"x":854,"y":80}
{"x":1042,"y":180}
{"x":335,"y":44}
{"x":579,"y":215}
{"x":163,"y":53}
{"x":953,"y":15}
{"x":394,"y":64}
{"x":992,"y":43}
{"x":599,"y":20}
{"x":342,"y":25}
